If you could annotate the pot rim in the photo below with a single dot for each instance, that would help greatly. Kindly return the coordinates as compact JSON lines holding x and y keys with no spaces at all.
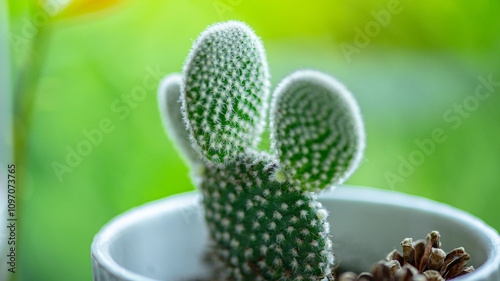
{"x":100,"y":248}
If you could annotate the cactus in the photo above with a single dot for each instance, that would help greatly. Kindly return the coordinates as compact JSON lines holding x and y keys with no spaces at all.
{"x":261,"y":208}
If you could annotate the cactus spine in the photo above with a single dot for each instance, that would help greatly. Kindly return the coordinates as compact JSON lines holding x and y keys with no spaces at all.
{"x":264,"y":220}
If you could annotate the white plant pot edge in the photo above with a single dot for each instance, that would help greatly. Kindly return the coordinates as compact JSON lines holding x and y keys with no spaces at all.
{"x":100,"y":248}
{"x":489,"y":235}
{"x":102,"y":259}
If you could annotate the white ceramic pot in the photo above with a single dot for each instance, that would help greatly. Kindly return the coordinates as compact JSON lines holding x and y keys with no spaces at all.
{"x":165,"y":239}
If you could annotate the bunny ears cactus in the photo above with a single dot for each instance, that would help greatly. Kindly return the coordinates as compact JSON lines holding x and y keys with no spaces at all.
{"x":261,"y":210}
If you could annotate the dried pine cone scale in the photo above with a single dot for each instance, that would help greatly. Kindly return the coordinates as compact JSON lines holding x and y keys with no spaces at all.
{"x":423,"y":260}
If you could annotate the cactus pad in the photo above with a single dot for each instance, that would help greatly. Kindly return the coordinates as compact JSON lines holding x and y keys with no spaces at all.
{"x":226,"y":82}
{"x":264,"y":229}
{"x":316,"y":129}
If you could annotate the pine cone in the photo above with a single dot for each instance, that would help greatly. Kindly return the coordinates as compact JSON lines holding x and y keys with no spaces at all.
{"x":422,"y":260}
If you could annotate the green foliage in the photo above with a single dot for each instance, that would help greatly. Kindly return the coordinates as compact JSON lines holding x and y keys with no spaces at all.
{"x":263,"y":220}
{"x":414,"y":70}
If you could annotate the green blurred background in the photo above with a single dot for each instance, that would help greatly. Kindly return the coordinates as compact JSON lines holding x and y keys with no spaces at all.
{"x":410,"y":77}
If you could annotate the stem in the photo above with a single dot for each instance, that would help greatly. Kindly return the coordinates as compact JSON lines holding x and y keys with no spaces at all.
{"x":27,"y":80}
{"x":24,"y":99}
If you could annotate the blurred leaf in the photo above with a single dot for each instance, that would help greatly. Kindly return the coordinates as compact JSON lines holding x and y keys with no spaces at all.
{"x":18,"y":7}
{"x":75,"y":8}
